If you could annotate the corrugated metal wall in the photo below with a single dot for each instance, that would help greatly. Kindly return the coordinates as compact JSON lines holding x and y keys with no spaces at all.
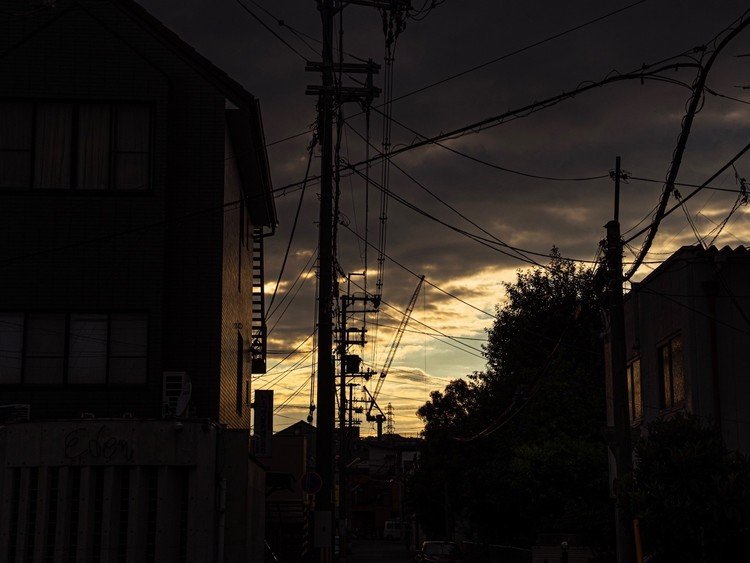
{"x":159,"y":505}
{"x":99,"y":514}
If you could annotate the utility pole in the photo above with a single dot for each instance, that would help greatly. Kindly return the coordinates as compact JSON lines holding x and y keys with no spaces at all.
{"x":323,"y":523}
{"x":343,"y":441}
{"x":329,"y":96}
{"x":620,"y":442}
{"x":349,"y":365}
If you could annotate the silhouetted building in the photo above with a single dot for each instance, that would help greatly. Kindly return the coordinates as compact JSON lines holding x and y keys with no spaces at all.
{"x":687,"y":325}
{"x":288,"y":504}
{"x":377,"y":480}
{"x":134,"y":198}
{"x":126,"y":249}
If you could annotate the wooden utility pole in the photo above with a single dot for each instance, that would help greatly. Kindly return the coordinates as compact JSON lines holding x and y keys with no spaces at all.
{"x":323,"y":524}
{"x":620,"y":444}
{"x":329,"y":96}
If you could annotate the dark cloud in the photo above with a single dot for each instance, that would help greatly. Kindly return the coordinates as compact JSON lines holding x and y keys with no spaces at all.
{"x":578,"y":137}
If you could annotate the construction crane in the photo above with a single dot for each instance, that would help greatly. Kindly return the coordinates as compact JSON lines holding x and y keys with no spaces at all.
{"x":380,"y":417}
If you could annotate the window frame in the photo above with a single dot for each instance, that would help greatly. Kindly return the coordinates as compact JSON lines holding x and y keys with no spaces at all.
{"x":74,"y":178}
{"x":66,"y":384}
{"x":635,"y":417}
{"x":666,"y":345}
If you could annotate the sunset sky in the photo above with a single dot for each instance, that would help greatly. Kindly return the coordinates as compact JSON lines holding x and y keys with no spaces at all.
{"x":577,"y":138}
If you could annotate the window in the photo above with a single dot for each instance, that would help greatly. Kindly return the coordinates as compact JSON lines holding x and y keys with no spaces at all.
{"x":87,"y":358}
{"x":128,"y":347}
{"x":88,"y":146}
{"x":672,"y":374}
{"x":16,"y":123}
{"x":11,"y":347}
{"x":73,"y":349}
{"x":44,"y":356}
{"x":635,"y":401}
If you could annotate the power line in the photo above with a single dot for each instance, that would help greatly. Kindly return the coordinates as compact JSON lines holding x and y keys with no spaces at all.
{"x":289,"y":138}
{"x":497,"y":166}
{"x":518,"y":51}
{"x":299,"y":288}
{"x":295,"y":367}
{"x":300,"y":345}
{"x":270,"y":30}
{"x":508,"y":414}
{"x":428,"y":282}
{"x":671,"y":299}
{"x":694,"y":106}
{"x":414,"y":331}
{"x":645,"y":72}
{"x":655,"y":223}
{"x":311,"y":148}
{"x":446,"y":204}
{"x":491,"y":243}
{"x":292,"y":396}
{"x":510,"y":54}
{"x":466,"y":348}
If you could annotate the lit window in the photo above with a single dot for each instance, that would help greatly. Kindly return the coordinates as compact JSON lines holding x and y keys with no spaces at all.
{"x":635,"y":401}
{"x":672,"y":374}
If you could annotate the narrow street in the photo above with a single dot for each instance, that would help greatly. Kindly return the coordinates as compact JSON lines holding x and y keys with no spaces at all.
{"x":378,"y":551}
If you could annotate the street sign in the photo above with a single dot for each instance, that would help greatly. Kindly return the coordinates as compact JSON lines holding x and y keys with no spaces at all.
{"x":263,"y":407}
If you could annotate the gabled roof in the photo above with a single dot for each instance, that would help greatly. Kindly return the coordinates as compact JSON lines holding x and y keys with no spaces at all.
{"x":245,"y":123}
{"x":297,"y":429}
{"x":37,"y":17}
{"x":249,"y":146}
{"x":696,"y":253}
{"x":232,"y":89}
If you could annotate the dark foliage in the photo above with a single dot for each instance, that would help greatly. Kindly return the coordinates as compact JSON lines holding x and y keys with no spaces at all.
{"x":692,"y":496}
{"x":518,"y":450}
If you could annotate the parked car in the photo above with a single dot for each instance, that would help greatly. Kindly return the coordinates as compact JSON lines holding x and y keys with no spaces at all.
{"x":439,"y":551}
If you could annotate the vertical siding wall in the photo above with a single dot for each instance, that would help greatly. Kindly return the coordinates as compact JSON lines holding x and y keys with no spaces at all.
{"x":146,"y":505}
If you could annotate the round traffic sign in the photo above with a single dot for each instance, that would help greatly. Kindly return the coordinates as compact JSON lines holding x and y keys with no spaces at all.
{"x":311,"y":483}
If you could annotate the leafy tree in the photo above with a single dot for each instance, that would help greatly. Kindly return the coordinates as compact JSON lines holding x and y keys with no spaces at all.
{"x":691,"y":495}
{"x":517,"y":449}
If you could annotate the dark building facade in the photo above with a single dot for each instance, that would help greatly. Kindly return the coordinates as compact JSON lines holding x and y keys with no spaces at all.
{"x":686,"y":327}
{"x":126,"y":249}
{"x":134,"y":199}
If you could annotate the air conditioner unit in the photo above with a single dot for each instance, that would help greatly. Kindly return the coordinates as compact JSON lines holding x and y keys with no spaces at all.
{"x":176,"y":391}
{"x":15,"y":413}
